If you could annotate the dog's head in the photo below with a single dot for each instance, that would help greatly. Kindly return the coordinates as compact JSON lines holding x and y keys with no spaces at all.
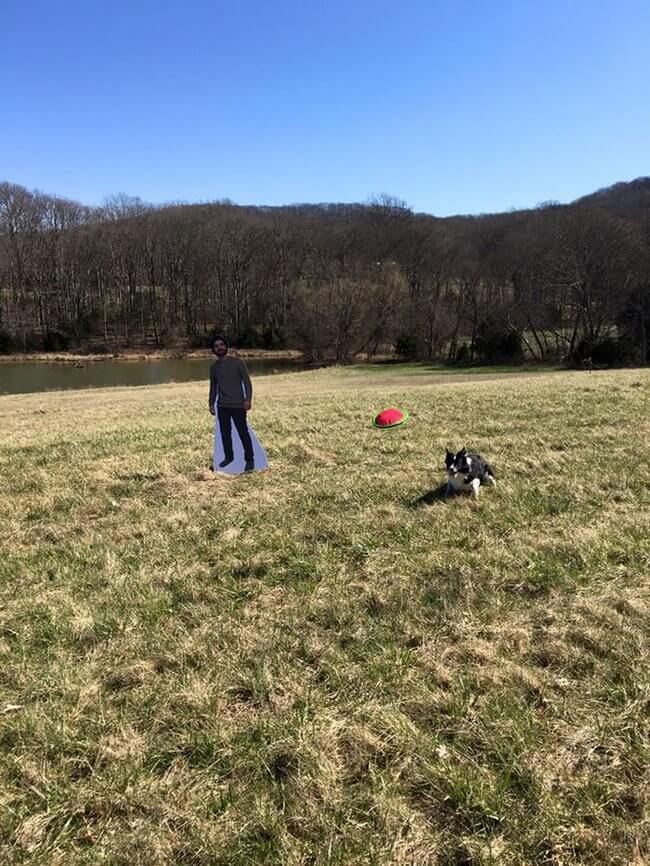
{"x":456,"y":463}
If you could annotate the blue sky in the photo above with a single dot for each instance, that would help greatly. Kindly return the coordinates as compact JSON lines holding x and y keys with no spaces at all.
{"x":462,"y":106}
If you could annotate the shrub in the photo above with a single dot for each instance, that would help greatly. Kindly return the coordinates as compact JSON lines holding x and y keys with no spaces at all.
{"x":608,"y":353}
{"x":56,"y":341}
{"x":7,"y":343}
{"x":273,"y":338}
{"x":246,"y":338}
{"x":605,"y":353}
{"x":497,"y":344}
{"x":634,"y":328}
{"x":102,"y":349}
{"x":200,"y":341}
{"x":408,"y":346}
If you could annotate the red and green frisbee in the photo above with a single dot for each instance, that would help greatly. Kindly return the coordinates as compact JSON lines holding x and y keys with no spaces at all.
{"x":390,"y":418}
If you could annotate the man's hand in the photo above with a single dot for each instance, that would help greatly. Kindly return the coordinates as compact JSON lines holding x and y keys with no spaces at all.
{"x":247,"y":405}
{"x":211,"y":408}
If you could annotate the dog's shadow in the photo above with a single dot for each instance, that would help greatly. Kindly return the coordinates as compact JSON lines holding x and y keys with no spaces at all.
{"x":439,"y":494}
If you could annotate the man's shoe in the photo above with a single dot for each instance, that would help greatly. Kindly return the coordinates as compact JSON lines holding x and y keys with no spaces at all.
{"x":250,"y":465}
{"x":226,"y":462}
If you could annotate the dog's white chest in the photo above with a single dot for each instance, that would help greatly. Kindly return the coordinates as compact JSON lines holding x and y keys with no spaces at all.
{"x":458,"y":482}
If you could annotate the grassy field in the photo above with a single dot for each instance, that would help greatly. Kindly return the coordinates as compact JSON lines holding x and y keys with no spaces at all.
{"x":325,"y":663}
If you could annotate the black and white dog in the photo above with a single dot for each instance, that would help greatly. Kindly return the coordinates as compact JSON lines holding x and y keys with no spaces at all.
{"x":466,"y":472}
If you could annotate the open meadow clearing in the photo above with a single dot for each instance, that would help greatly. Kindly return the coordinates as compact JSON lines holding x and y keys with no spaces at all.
{"x":326,"y":663}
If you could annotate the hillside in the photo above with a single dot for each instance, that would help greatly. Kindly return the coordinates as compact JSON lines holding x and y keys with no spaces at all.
{"x":630,"y":200}
{"x":334,"y":281}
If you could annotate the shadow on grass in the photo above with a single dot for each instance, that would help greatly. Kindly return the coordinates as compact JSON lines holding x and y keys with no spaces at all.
{"x":439,"y":494}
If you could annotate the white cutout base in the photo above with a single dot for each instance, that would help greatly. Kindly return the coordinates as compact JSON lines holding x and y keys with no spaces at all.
{"x":238,"y":463}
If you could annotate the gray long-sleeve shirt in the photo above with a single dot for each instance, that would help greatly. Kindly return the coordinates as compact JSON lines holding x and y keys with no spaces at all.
{"x":228,"y":375}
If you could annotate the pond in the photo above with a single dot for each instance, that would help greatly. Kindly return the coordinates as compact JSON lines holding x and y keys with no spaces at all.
{"x":24,"y":377}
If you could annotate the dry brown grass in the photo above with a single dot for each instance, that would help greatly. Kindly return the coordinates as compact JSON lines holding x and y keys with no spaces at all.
{"x":326,"y":664}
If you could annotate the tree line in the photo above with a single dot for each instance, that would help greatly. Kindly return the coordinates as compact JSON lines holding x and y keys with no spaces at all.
{"x":557,"y":282}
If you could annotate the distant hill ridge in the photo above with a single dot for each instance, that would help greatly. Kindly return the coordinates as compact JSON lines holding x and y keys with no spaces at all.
{"x":630,"y":200}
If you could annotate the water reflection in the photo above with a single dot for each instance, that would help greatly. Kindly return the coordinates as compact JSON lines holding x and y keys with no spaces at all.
{"x":28,"y":377}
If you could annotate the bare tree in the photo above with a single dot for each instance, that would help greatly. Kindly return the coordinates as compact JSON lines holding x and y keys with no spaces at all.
{"x":335,"y":279}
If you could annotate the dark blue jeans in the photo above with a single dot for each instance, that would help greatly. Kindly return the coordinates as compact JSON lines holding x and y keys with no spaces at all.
{"x":228,"y":417}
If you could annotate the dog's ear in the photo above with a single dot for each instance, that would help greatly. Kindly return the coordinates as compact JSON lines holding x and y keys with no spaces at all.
{"x":448,"y":453}
{"x":462,"y":451}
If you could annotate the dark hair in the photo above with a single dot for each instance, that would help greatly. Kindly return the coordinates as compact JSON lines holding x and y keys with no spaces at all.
{"x":218,"y":337}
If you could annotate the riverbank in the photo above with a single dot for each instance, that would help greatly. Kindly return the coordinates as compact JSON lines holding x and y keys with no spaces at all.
{"x":386,"y":361}
{"x":73,"y":372}
{"x":140,"y":355}
{"x":33,"y":376}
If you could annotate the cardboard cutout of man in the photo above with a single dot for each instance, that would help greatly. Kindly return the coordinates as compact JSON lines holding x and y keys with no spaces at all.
{"x":231,"y":394}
